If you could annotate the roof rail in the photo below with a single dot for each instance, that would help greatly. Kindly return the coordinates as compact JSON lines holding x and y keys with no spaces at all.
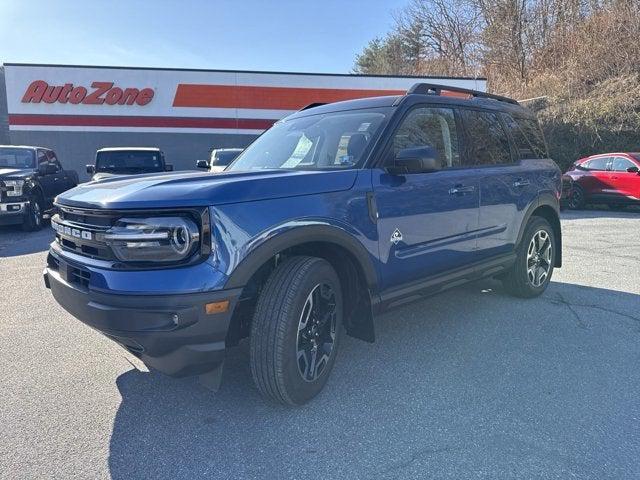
{"x":312,"y":105}
{"x":435,"y":89}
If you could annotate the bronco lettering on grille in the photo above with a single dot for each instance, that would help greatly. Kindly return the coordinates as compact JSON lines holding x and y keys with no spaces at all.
{"x":102,"y":93}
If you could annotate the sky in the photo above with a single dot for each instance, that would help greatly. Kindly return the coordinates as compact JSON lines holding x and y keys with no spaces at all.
{"x":277,"y":35}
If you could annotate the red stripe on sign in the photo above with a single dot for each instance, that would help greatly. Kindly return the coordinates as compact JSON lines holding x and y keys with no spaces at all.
{"x":273,"y":98}
{"x":139,"y":121}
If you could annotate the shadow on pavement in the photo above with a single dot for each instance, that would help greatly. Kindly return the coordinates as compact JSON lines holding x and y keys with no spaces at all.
{"x":508,"y":387}
{"x":601,"y":212}
{"x":15,"y":242}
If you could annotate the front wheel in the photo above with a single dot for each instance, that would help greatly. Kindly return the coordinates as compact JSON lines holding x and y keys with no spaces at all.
{"x":531,"y":273}
{"x":296,"y":330}
{"x":33,"y":216}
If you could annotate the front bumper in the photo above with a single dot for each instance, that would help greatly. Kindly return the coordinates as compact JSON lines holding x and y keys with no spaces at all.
{"x":170,"y":333}
{"x":12,"y":213}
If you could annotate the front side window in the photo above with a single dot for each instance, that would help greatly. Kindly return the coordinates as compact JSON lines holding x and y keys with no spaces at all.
{"x":486,"y":141}
{"x":430,"y":127}
{"x":527,"y":136}
{"x":335,"y":140}
{"x":42,"y":157}
{"x":18,"y":158}
{"x":53,"y":160}
{"x":621,"y":164}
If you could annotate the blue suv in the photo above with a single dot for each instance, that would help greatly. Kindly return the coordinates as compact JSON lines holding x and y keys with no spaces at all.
{"x":335,"y":214}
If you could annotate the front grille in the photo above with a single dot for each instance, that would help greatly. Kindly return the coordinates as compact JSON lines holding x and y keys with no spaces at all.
{"x":79,"y":229}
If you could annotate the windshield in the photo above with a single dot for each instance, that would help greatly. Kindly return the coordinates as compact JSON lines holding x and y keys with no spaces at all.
{"x":222,"y":159}
{"x":20,"y":158}
{"x":130,"y":161}
{"x":328,"y":141}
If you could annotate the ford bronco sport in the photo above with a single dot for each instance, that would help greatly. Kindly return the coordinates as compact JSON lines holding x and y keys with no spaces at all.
{"x":336,"y":213}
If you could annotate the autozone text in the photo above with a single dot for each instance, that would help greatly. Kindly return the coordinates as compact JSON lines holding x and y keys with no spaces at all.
{"x":101,"y":93}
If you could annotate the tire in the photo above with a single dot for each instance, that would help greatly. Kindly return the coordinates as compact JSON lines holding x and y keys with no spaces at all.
{"x":576,"y":200}
{"x":518,"y":280}
{"x":277,"y":368}
{"x":33,"y":218}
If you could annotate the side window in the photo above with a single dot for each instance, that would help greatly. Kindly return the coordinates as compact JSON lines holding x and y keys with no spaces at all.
{"x":620,"y":164}
{"x":42,"y":157}
{"x":53,"y":160}
{"x":434,"y":127}
{"x":526,"y":135}
{"x":597,"y":163}
{"x":487,"y":142}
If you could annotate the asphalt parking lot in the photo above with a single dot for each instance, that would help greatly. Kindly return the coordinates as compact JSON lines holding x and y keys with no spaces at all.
{"x":468,"y":384}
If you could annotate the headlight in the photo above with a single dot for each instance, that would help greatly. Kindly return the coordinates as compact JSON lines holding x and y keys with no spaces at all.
{"x":17,"y":187}
{"x":154,"y":239}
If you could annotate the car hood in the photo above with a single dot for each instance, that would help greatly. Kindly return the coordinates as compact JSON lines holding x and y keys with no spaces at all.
{"x":101,"y":175}
{"x":191,"y":189}
{"x":14,"y":173}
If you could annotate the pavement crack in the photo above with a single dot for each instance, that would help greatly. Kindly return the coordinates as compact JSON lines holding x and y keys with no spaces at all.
{"x":413,"y":456}
{"x":560,"y":300}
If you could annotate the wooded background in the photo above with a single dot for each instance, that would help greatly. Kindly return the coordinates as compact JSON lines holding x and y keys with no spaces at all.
{"x":581,"y":56}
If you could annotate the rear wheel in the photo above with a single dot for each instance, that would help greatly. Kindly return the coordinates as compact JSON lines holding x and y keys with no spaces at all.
{"x":33,"y":218}
{"x":296,"y":330}
{"x":576,"y":199}
{"x":531,"y":273}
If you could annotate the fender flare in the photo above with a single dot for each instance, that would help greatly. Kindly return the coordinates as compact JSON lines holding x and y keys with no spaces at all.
{"x":297,"y":235}
{"x":545,"y":199}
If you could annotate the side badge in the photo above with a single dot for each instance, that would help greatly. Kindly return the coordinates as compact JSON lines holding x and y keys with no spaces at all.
{"x":396,"y":236}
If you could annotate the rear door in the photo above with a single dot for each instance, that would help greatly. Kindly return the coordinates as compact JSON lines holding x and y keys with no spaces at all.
{"x":426,"y":221}
{"x":507,"y":183}
{"x":596,"y":182}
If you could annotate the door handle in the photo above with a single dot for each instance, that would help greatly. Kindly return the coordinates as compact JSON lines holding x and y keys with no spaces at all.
{"x":461,"y":190}
{"x":521,"y":183}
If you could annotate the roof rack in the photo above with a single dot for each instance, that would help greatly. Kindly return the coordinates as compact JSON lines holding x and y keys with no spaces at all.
{"x":435,"y":89}
{"x":312,"y":105}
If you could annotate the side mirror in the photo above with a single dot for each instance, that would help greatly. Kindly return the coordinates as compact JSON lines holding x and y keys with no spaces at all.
{"x":47,"y":169}
{"x":633,"y":170}
{"x":168,"y":167}
{"x":202,"y":164}
{"x":416,"y":160}
{"x":91,"y":169}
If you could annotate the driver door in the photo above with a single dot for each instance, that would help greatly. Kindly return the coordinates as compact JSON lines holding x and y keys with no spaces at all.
{"x":426,"y":221}
{"x":48,"y":181}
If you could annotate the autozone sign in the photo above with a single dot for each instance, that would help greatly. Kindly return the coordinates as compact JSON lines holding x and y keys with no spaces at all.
{"x":98,"y":94}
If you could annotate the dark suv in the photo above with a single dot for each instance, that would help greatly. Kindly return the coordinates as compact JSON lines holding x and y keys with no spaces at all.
{"x":30,"y":178}
{"x":335,"y":214}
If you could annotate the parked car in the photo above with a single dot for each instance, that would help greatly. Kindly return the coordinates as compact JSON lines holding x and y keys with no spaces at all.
{"x":30,"y":178}
{"x":220,"y":159}
{"x":128,"y":161}
{"x":610,"y":178}
{"x":335,"y":214}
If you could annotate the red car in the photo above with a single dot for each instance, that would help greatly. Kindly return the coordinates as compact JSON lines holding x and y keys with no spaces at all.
{"x":609,"y":178}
